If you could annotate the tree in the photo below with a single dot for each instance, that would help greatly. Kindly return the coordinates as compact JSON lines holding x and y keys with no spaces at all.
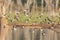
{"x":1,"y":6}
{"x":19,"y":4}
{"x":28,"y":4}
{"x":49,"y":5}
{"x":57,"y":1}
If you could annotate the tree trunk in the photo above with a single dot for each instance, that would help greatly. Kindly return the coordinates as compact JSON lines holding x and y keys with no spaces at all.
{"x":20,"y":6}
{"x":42,"y":6}
{"x":27,"y":5}
{"x":57,"y":1}
{"x":49,"y":5}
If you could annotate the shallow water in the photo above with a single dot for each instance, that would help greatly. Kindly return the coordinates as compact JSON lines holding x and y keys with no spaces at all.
{"x":32,"y":34}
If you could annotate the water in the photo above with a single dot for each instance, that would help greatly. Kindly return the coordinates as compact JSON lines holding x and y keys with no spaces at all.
{"x":32,"y":34}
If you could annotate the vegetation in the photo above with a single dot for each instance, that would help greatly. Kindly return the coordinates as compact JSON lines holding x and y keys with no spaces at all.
{"x":40,"y":6}
{"x":34,"y":18}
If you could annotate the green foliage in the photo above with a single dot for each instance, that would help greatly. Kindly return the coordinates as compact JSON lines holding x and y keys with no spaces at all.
{"x":34,"y":18}
{"x":10,"y":17}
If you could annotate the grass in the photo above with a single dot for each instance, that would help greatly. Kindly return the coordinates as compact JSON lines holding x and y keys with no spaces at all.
{"x":34,"y":18}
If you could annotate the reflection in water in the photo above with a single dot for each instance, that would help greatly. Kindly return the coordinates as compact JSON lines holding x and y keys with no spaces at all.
{"x":32,"y":34}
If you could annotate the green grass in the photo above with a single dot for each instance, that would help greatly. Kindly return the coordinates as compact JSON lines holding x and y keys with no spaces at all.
{"x":34,"y":18}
